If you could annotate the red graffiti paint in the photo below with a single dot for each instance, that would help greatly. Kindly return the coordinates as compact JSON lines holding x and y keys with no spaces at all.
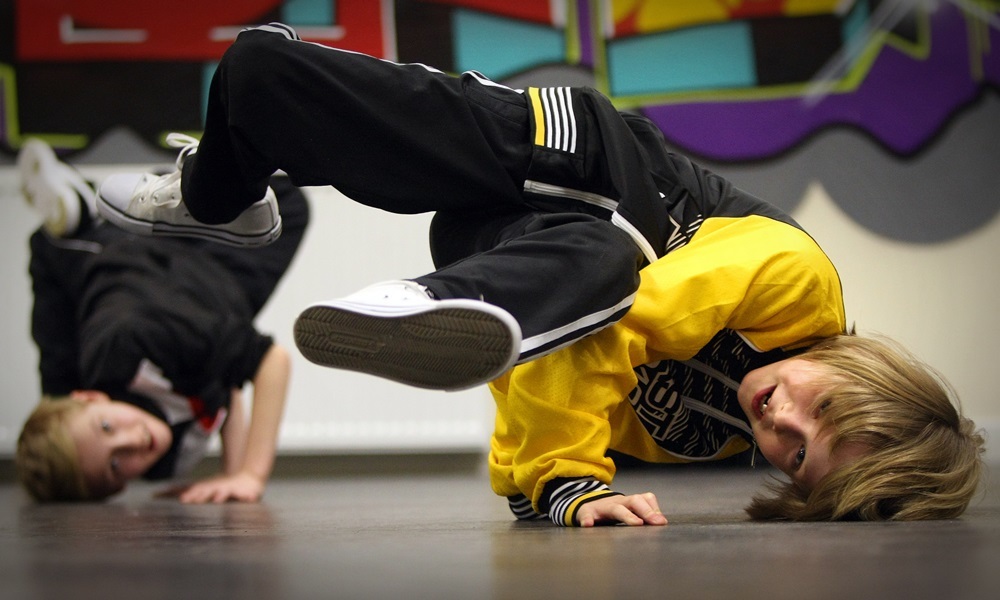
{"x":174,"y":30}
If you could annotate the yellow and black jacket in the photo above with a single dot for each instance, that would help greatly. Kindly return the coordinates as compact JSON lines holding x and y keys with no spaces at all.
{"x":734,"y":284}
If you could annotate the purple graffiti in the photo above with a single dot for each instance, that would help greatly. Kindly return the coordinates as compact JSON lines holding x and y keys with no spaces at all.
{"x":902,"y":102}
{"x":586,"y":33}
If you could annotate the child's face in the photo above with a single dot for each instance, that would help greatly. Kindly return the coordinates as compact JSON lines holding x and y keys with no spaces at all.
{"x":115,"y":441}
{"x":780,"y":402}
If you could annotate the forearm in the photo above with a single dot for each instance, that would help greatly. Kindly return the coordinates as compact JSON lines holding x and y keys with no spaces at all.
{"x":244,"y":478}
{"x":270,"y":386}
{"x":234,"y":435}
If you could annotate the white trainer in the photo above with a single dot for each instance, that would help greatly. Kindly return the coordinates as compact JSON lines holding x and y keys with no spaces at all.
{"x":395,"y":330}
{"x":149,"y":204}
{"x":52,"y":188}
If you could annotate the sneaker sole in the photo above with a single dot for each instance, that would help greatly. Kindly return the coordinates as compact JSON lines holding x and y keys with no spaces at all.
{"x":38,"y":167}
{"x":454,"y":345}
{"x":205,"y":232}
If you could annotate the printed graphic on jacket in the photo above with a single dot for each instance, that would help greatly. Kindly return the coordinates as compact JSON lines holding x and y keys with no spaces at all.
{"x":690,"y":407}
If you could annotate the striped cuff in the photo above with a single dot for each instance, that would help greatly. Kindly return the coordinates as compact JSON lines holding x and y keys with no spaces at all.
{"x":568,"y":495}
{"x":520,"y":505}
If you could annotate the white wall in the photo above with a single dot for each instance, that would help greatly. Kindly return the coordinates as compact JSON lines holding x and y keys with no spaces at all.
{"x":939,"y":300}
{"x":18,"y":357}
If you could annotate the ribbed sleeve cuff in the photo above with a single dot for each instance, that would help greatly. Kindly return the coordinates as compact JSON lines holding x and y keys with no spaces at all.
{"x":568,"y":495}
{"x":520,"y":505}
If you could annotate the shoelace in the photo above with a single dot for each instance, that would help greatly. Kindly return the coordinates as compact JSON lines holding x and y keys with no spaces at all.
{"x":186,"y":143}
{"x":153,"y":186}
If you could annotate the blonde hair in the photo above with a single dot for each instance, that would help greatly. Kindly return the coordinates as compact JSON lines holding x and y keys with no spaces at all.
{"x":924,"y":459}
{"x":46,"y":460}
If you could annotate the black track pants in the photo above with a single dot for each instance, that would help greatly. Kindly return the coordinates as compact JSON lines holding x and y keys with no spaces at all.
{"x":409,"y":139}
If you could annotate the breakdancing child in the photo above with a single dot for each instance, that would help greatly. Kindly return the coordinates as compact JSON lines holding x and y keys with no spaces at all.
{"x":548,"y":204}
{"x":144,"y":348}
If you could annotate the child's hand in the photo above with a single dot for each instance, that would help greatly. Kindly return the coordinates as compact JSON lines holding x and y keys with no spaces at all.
{"x":239,"y":487}
{"x":637,"y":509}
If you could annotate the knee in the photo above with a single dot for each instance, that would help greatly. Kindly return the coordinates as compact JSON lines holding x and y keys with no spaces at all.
{"x":605,"y":244}
{"x":627,"y":253}
{"x":252,"y":61}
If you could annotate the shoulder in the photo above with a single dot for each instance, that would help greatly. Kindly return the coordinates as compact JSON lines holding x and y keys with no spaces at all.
{"x":754,"y":241}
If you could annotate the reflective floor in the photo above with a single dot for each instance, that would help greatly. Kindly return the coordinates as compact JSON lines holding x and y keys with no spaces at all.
{"x":444,"y":535}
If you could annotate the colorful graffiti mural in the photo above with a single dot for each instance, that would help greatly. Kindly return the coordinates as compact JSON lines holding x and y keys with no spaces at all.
{"x":727,"y":79}
{"x":899,"y":78}
{"x":733,"y":81}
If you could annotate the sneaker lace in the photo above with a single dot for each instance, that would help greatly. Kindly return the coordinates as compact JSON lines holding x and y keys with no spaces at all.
{"x":160,"y":190}
{"x":154,"y":187}
{"x":186,"y":143}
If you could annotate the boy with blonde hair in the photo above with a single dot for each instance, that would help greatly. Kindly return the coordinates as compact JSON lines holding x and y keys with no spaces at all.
{"x":145,"y":347}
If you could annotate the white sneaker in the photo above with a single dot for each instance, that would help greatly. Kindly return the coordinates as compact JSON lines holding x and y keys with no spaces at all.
{"x":52,"y":188}
{"x":148,"y":204}
{"x":397,"y":331}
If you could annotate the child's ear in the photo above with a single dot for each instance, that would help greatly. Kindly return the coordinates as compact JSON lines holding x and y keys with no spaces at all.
{"x":89,"y":396}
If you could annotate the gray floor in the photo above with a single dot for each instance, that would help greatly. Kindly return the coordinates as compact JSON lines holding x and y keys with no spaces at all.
{"x":440,"y":533}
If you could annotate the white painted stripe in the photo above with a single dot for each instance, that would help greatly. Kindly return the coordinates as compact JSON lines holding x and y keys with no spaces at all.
{"x":389,"y":49}
{"x":557,"y":12}
{"x":69,"y":34}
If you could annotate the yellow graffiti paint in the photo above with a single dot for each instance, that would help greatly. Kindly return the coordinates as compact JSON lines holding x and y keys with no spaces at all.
{"x":646,"y":16}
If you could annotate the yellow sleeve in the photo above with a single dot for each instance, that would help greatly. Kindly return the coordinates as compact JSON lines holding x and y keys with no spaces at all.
{"x":766,"y":279}
{"x":553,"y":415}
